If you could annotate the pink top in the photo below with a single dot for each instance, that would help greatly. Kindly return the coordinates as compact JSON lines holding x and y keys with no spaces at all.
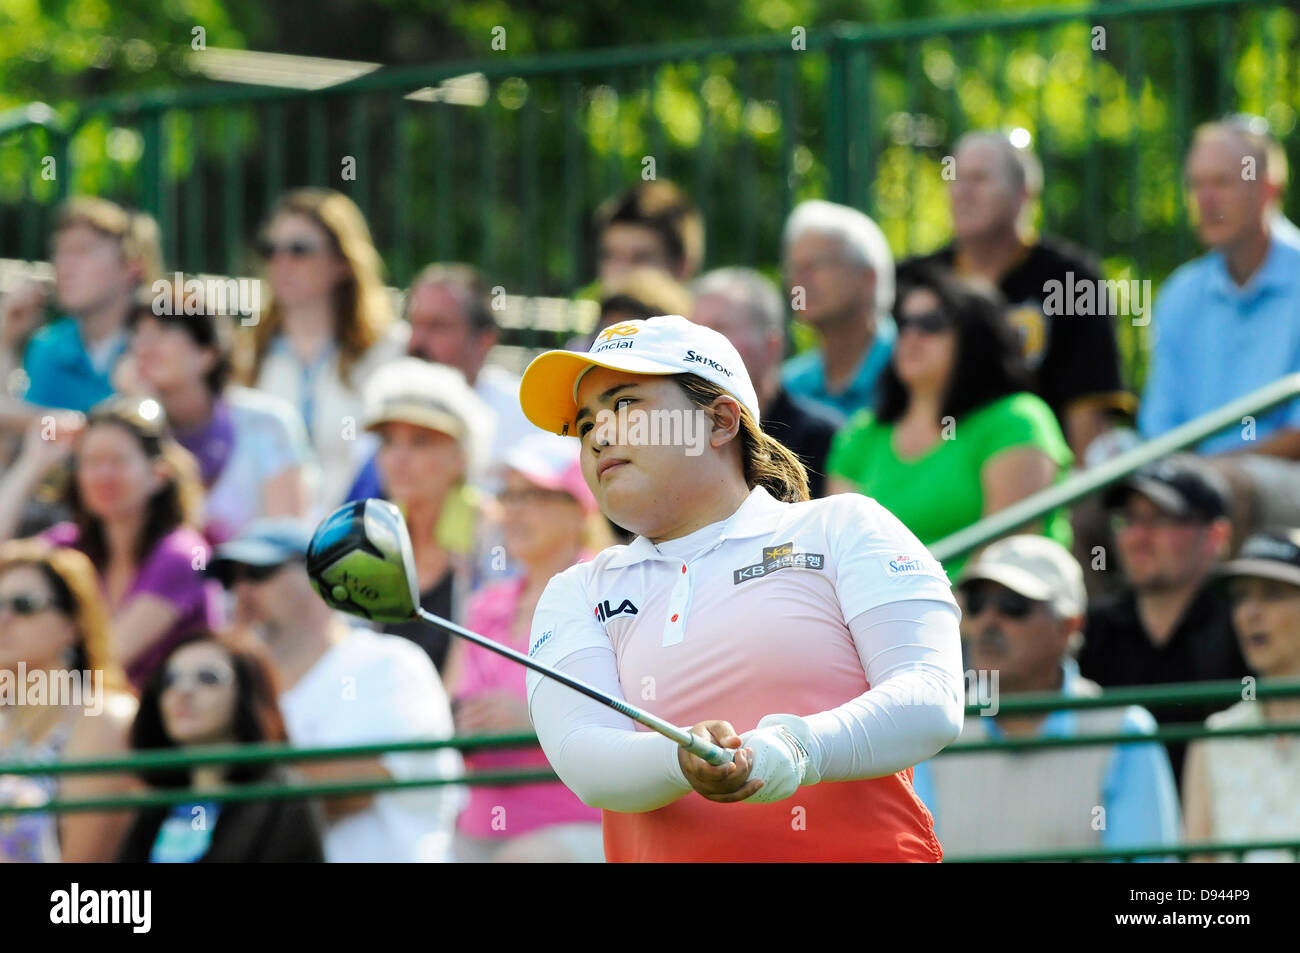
{"x":169,"y":573}
{"x":515,"y":808}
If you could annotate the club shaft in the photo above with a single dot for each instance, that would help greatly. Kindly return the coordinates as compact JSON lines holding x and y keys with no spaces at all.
{"x":710,"y":752}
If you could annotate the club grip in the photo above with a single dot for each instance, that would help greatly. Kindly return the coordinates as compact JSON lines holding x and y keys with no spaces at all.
{"x":709,"y":751}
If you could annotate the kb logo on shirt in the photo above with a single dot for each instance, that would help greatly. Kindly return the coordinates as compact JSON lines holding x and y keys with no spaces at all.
{"x":776,"y":558}
{"x":604,"y":613}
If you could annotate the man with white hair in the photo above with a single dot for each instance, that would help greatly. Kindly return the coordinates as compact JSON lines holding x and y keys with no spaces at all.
{"x":1073,"y":355}
{"x":746,"y":308}
{"x":839,"y":273}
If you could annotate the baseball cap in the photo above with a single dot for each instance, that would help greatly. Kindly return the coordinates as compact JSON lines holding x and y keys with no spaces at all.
{"x":668,"y":344}
{"x":1180,"y":485}
{"x":551,"y":461}
{"x":435,"y":396}
{"x":265,"y":542}
{"x":1268,"y":555}
{"x":1036,"y":567}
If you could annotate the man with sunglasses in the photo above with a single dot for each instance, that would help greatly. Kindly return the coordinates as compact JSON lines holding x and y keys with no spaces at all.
{"x":342,"y":684}
{"x":1023,"y":604}
{"x":1169,"y":623}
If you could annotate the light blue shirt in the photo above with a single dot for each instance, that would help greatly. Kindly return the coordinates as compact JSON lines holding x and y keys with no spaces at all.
{"x":805,"y":374}
{"x":1138,"y":792}
{"x":1215,"y":341}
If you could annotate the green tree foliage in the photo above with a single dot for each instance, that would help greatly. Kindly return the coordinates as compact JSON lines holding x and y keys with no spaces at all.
{"x":507,"y":172}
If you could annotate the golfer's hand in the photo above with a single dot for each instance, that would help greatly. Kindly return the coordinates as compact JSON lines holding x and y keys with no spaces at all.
{"x":723,"y":783}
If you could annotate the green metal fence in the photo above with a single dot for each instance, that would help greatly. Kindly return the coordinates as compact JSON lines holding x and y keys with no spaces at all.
{"x":500,"y":161}
{"x":1029,"y":703}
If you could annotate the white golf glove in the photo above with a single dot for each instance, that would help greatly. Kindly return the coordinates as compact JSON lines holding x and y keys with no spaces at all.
{"x":781,"y":757}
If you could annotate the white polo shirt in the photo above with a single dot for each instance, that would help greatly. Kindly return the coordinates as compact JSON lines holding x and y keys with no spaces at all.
{"x":741,"y":619}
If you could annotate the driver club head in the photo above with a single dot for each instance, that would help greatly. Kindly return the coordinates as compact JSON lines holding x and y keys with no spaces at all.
{"x":360,"y":561}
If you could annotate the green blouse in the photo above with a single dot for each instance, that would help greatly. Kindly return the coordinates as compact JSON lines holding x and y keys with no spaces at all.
{"x":939,"y":492}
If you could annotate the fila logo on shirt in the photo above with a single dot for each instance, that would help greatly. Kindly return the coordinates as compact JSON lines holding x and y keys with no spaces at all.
{"x":604,"y":613}
{"x":776,"y":558}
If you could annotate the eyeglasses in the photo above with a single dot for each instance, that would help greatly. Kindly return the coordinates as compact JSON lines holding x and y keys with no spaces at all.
{"x":294,"y":248}
{"x":203,"y":677}
{"x":25,"y":605}
{"x":531,"y":495}
{"x":1121,"y":522}
{"x":1006,"y":603}
{"x":932,"y":322}
{"x":230,"y":574}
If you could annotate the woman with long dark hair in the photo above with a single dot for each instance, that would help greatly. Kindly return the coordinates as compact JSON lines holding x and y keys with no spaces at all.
{"x":135,"y":497}
{"x":955,"y":434}
{"x":212,"y":690}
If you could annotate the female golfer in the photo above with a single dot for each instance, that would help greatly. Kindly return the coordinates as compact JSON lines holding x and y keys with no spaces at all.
{"x":818,"y":638}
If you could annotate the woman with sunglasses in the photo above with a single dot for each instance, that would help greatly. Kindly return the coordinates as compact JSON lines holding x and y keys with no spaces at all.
{"x":134,"y":498}
{"x":955,"y":435}
{"x":54,"y":632}
{"x":327,"y":325}
{"x":821,"y":629}
{"x":217,"y":691}
{"x":252,"y":449}
{"x":551,"y":522}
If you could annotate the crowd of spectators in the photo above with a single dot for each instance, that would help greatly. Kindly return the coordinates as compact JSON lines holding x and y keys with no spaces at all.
{"x":162,"y":471}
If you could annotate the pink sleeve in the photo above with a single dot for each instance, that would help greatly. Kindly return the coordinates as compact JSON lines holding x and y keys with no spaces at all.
{"x":61,"y":534}
{"x":169,"y":572}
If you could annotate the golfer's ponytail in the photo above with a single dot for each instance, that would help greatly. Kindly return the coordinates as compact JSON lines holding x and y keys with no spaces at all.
{"x":767,"y":462}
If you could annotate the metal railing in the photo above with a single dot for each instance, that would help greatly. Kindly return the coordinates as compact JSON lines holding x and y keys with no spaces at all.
{"x":499,"y":161}
{"x":143,"y":762}
{"x":1095,"y":478}
{"x":181,"y":759}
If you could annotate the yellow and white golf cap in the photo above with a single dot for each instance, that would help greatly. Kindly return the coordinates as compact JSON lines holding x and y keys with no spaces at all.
{"x":665,"y":345}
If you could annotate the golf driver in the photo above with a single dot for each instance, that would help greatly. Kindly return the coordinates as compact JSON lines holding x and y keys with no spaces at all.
{"x":361,"y":562}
